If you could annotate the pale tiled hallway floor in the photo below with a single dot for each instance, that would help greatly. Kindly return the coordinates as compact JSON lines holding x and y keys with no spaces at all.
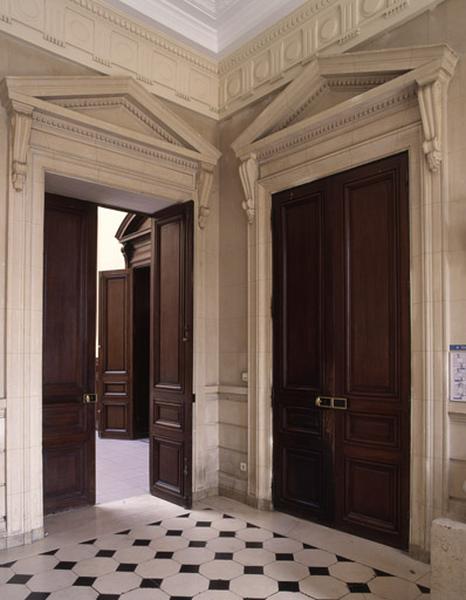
{"x":143,"y":548}
{"x":122,"y":469}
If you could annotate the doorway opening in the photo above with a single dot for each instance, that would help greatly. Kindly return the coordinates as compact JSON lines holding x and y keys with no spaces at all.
{"x":122,"y":367}
{"x":102,"y":429}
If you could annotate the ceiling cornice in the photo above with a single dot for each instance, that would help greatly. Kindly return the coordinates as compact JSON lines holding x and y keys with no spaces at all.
{"x":97,"y":35}
{"x":216,"y":26}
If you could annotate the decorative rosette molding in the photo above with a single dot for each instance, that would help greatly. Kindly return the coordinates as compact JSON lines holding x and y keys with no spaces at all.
{"x":319,"y":27}
{"x":205,"y":177}
{"x":249,"y":173}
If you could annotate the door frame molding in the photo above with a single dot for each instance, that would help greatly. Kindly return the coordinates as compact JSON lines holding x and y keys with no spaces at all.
{"x":46,"y":137}
{"x":407,"y":113}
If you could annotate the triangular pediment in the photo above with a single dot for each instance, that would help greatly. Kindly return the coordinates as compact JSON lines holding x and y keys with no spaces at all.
{"x":332,"y":85}
{"x":125,"y":112}
{"x":133,"y":225}
{"x":329,"y":91}
{"x":117,"y":105}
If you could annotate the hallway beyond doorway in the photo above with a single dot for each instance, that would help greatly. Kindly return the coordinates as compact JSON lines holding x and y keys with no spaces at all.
{"x":122,"y":469}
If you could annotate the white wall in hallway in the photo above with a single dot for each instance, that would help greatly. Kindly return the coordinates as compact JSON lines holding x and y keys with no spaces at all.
{"x":109,"y":254}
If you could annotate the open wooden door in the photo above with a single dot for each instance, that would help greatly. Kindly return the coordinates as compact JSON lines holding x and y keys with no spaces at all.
{"x":115,"y":350}
{"x":70,"y":255}
{"x":172,"y":354}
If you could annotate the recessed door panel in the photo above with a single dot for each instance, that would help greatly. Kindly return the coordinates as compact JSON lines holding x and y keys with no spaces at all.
{"x":371,"y":284}
{"x":168,"y":360}
{"x":382,"y":480}
{"x":300,"y":302}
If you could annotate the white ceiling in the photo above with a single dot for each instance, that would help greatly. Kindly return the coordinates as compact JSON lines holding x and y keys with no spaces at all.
{"x":218,"y":26}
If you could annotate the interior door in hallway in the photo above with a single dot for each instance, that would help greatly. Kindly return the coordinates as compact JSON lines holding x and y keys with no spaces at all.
{"x":114,"y":383}
{"x":70,"y":254}
{"x":172,"y":354}
{"x":341,"y":391}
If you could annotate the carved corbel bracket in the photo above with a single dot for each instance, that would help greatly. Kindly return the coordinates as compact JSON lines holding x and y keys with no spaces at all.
{"x":430,"y":95}
{"x":205,"y":178}
{"x":21,"y":125}
{"x":249,"y":173}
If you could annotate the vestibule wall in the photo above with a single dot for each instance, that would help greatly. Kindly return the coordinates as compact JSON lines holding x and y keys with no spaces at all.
{"x":446,"y":229}
{"x":233,"y":296}
{"x":445,"y":24}
{"x":222,"y":304}
{"x":16,"y":59}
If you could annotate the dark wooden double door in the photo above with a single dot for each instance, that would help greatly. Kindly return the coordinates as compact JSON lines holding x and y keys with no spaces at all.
{"x":69,"y":353}
{"x":341,"y":391}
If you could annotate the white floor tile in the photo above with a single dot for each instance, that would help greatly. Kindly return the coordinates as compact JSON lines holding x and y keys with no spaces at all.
{"x":143,"y":548}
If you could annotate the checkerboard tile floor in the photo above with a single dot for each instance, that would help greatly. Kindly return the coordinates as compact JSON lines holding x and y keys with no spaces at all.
{"x":200,"y":554}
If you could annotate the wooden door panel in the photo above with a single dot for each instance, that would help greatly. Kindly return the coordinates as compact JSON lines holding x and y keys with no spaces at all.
{"x":70,"y":459}
{"x":367,"y":481}
{"x":115,"y":362}
{"x":168,"y":466}
{"x":304,"y":493}
{"x":341,"y":329}
{"x":168,"y":359}
{"x":375,"y":430}
{"x":373,"y":365}
{"x":172,"y":354}
{"x":141,"y":351}
{"x":372,"y":288}
{"x":116,"y":342}
{"x":301,"y":441}
{"x":300,"y":298}
{"x":70,"y":236}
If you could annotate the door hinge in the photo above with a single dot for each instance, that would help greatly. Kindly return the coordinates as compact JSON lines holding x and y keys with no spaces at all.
{"x":185,"y":470}
{"x":194,"y":398}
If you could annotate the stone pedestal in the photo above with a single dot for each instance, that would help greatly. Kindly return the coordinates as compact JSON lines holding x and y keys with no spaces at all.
{"x":448,"y":557}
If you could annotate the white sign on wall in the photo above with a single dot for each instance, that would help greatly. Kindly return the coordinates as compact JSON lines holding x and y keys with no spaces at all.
{"x":458,"y":373}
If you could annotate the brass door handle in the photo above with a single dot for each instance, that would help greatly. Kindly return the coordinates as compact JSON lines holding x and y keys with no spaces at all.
{"x":340,"y":403}
{"x":324,"y":401}
{"x":90,"y":398}
{"x":331,"y":402}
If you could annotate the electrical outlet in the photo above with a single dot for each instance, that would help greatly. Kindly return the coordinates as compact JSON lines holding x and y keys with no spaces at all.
{"x":243,"y":466}
{"x":244,"y":376}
